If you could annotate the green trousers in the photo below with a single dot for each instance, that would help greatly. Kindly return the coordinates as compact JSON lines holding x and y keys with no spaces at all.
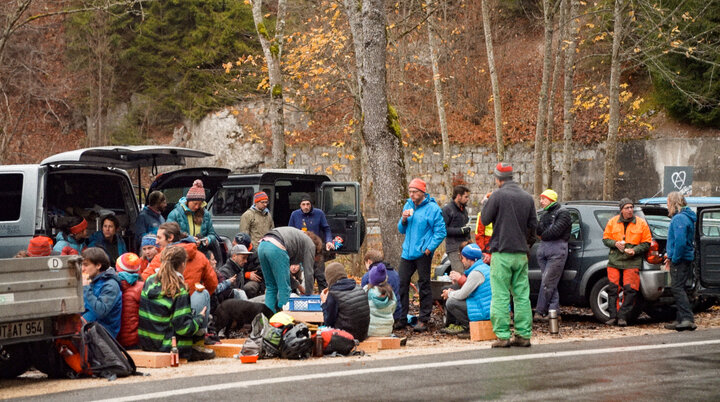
{"x":509,"y":276}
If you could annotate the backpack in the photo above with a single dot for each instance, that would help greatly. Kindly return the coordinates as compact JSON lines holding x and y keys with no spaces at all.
{"x":254,"y":344}
{"x":102,"y":355}
{"x":337,"y":341}
{"x":273,"y":340}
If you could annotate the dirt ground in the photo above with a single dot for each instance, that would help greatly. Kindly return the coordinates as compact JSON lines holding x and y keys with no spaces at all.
{"x":577,"y":325}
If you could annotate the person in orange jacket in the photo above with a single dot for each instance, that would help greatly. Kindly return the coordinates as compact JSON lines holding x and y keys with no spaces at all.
{"x":483,"y":233}
{"x":628,"y":238}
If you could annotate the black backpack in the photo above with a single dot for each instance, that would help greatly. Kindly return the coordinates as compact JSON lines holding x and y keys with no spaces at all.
{"x":102,"y":355}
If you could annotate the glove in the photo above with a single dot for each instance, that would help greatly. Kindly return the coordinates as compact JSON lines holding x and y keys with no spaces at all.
{"x":465,"y":230}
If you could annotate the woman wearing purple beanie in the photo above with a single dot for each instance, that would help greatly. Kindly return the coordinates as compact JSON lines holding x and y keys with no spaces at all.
{"x":382,"y":302}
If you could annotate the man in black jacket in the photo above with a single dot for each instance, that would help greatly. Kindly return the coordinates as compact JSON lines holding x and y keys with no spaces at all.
{"x":456,"y":219}
{"x":554,"y":231}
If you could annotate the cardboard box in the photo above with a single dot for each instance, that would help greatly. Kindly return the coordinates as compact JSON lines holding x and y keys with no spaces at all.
{"x":150,"y":359}
{"x":481,"y":331}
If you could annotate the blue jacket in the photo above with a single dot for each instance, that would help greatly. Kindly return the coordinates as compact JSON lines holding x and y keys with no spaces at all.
{"x":424,"y":230}
{"x":103,"y":301}
{"x":315,"y":222}
{"x":393,"y":280}
{"x":147,"y":222}
{"x":681,"y":234}
{"x":98,"y":240}
{"x":381,"y":313}
{"x":180,"y":215}
{"x":478,"y":303}
{"x":61,"y":241}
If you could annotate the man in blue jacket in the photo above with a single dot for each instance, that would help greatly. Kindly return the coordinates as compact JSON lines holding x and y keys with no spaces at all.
{"x":308,"y":218}
{"x":680,"y":254}
{"x":423,"y":225}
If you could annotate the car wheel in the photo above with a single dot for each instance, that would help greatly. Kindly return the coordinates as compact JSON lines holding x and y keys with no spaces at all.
{"x":13,"y":361}
{"x":45,"y":358}
{"x":599,"y":301}
{"x":702,"y":303}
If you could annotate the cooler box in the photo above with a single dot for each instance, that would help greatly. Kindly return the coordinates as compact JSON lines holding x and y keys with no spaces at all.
{"x":305,"y":303}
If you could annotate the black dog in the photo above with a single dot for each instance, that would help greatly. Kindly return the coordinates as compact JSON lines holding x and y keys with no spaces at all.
{"x":237,"y":311}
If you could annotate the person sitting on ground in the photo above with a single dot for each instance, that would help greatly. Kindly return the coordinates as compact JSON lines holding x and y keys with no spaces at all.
{"x":345,"y":305}
{"x":101,"y":291}
{"x":108,"y":238}
{"x":230,"y":275}
{"x":40,"y":246}
{"x":165,"y":310}
{"x":193,"y":218}
{"x":128,"y":268}
{"x":149,"y":249}
{"x":73,"y":234}
{"x":374,"y":258}
{"x":381,"y":299}
{"x":296,"y":280}
{"x":150,"y":218}
{"x":472,"y":301}
{"x":252,"y":273}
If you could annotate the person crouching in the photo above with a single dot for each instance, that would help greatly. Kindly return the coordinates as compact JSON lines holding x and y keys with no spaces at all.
{"x":344,"y":304}
{"x":472,"y":301}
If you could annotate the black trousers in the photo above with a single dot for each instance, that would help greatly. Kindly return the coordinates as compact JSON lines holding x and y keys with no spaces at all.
{"x":406,"y":270}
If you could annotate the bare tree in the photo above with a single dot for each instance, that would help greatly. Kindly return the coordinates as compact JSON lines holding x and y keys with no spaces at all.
{"x":550,"y":121}
{"x":487,"y":28}
{"x":272,"y":50}
{"x":568,"y":113}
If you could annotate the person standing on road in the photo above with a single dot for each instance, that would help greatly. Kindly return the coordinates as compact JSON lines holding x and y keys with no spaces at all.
{"x":313,"y":219}
{"x":257,"y":220}
{"x":456,"y":219}
{"x":628,"y":238}
{"x":680,"y":255}
{"x":424,"y":229}
{"x":554,"y":231}
{"x":512,"y":214}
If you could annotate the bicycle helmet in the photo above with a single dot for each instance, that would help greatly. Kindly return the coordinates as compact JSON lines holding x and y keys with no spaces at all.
{"x":244,"y":239}
{"x":296,"y":343}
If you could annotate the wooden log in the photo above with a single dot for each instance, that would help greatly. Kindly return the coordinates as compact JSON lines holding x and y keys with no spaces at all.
{"x":233,"y":341}
{"x":149,"y":359}
{"x":225,"y":350}
{"x":307,"y":316}
{"x":481,"y":331}
{"x":369,"y":346}
{"x":386,"y":342}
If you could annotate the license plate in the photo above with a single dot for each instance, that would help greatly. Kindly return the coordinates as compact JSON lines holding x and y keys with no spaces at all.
{"x":21,"y":329}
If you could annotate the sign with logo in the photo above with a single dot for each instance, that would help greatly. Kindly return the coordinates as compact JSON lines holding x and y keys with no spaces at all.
{"x":678,"y":178}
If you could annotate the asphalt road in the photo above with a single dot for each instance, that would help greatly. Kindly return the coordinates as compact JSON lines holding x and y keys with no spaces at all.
{"x":673,"y":366}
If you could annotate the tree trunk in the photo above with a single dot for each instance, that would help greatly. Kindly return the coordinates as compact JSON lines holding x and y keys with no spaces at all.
{"x":494,"y":81}
{"x":381,"y":132}
{"x":568,"y":114}
{"x":614,"y":95}
{"x":550,"y":122}
{"x":272,"y":50}
{"x":548,"y":11}
{"x":353,"y":12}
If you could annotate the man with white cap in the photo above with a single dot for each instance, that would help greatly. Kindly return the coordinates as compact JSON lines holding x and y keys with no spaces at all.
{"x":554,"y":231}
{"x":233,"y":268}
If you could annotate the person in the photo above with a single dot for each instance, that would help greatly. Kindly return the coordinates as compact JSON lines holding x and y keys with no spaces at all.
{"x":679,"y":258}
{"x":165,"y":310}
{"x":233,"y":268}
{"x":193,"y":218}
{"x":483,"y":234}
{"x":424,"y":229}
{"x":456,"y":218}
{"x":374,"y":258}
{"x":313,"y":219}
{"x":150,"y":218}
{"x":554,"y":231}
{"x":168,"y":233}
{"x":628,"y":238}
{"x":254,"y":285}
{"x":40,"y":246}
{"x":128,"y":267}
{"x":108,"y":238}
{"x":257,"y":220}
{"x":73,"y":234}
{"x":472,"y":301}
{"x":280,"y":248}
{"x":297,"y":278}
{"x":101,"y":291}
{"x":149,"y":249}
{"x":512,"y":214}
{"x":381,"y":299}
{"x":344,"y":304}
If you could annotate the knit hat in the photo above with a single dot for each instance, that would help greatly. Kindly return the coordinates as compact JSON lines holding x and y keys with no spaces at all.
{"x":260,"y":196}
{"x":549,"y":194}
{"x":334,"y":272}
{"x":503,"y":171}
{"x":472,"y":252}
{"x":196,"y":192}
{"x":377,"y":275}
{"x":239,"y":249}
{"x":67,"y":250}
{"x":40,"y":246}
{"x":418,"y":184}
{"x":128,"y":262}
{"x":624,"y":202}
{"x":79,"y":228}
{"x":149,"y":240}
{"x":305,"y":197}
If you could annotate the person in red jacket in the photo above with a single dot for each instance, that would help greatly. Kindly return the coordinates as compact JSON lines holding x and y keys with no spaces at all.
{"x":128,"y":266}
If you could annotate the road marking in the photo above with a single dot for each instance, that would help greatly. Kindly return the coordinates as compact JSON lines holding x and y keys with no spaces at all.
{"x":324,"y":376}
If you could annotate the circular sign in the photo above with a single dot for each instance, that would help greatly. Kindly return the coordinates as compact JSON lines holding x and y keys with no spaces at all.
{"x":54,"y":263}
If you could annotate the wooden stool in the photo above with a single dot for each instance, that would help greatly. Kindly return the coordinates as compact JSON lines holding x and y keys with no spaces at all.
{"x":481,"y":331}
{"x":149,"y":359}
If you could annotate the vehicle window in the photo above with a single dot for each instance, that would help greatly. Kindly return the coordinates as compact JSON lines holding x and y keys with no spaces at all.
{"x":339,"y":200}
{"x":575,"y":232}
{"x":659,"y":225}
{"x":287,"y":198}
{"x":711,"y":224}
{"x":603,"y":216}
{"x":232,"y":200}
{"x":11,"y":196}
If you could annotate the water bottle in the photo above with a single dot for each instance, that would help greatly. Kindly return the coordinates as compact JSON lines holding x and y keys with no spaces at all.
{"x":174,"y":354}
{"x":554,"y":326}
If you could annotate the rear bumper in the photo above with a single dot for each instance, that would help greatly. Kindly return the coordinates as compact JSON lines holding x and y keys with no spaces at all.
{"x":652,"y":283}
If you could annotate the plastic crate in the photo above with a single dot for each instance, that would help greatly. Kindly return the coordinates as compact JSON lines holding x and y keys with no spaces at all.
{"x":305,"y":303}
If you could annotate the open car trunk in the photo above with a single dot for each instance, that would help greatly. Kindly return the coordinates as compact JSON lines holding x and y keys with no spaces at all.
{"x":175,"y":184}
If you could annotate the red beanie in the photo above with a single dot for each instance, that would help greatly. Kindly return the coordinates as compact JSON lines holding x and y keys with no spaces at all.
{"x":128,"y":262}
{"x":79,"y":228}
{"x":418,"y":184}
{"x":196,"y":192}
{"x":260,"y":196}
{"x":40,"y":246}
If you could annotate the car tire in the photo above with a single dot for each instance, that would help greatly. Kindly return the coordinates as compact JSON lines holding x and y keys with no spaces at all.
{"x":45,"y":358}
{"x":599,"y":306}
{"x":17,"y":362}
{"x":703,"y":303}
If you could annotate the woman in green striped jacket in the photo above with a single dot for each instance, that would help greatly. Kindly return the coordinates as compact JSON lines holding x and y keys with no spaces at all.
{"x":165,"y":310}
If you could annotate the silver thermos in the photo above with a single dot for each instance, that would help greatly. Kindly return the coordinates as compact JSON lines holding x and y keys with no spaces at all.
{"x":554,"y":327}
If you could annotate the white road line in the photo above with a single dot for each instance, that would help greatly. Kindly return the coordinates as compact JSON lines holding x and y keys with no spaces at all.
{"x":325,"y":376}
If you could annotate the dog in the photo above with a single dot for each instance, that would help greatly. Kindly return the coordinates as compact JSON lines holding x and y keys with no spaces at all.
{"x":238,"y":312}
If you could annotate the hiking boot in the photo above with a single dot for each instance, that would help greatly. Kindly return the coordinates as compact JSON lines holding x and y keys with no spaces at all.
{"x":201,"y":353}
{"x":453,"y":329}
{"x":420,"y":327}
{"x":686,"y":325}
{"x":520,"y":341}
{"x":501,"y":343}
{"x":211,"y":339}
{"x":611,"y":321}
{"x":540,"y":318}
{"x":622,"y":322}
{"x":671,"y":325}
{"x":399,"y":325}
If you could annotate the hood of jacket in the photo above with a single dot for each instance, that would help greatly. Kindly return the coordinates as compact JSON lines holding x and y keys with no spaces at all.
{"x":108,"y":274}
{"x":344,"y":284}
{"x":377,"y":299}
{"x":190,"y":247}
{"x":690,"y":214}
{"x":151,"y":212}
{"x":410,"y":204}
{"x":128,"y":277}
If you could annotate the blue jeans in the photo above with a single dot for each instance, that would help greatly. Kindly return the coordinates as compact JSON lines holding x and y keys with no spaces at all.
{"x":551,"y":256}
{"x":199,"y":300}
{"x":275,"y":264}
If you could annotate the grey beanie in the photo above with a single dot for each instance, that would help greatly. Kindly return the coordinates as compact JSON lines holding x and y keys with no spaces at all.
{"x":624,"y":202}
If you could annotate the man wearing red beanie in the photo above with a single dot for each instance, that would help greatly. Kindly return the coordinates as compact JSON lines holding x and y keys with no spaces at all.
{"x":423,"y":225}
{"x":257,"y":220}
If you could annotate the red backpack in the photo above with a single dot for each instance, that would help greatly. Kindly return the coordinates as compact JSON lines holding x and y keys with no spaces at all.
{"x":337,"y":341}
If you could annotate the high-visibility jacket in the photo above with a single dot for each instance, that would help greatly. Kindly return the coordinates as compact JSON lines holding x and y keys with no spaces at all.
{"x":482,"y":233}
{"x":637,"y":236}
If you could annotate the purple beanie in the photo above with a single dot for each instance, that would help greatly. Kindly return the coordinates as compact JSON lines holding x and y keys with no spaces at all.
{"x":377,"y":275}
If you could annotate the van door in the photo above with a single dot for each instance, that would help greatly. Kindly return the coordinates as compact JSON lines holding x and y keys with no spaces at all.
{"x":18,"y":201}
{"x":708,"y":232}
{"x":341,"y":204}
